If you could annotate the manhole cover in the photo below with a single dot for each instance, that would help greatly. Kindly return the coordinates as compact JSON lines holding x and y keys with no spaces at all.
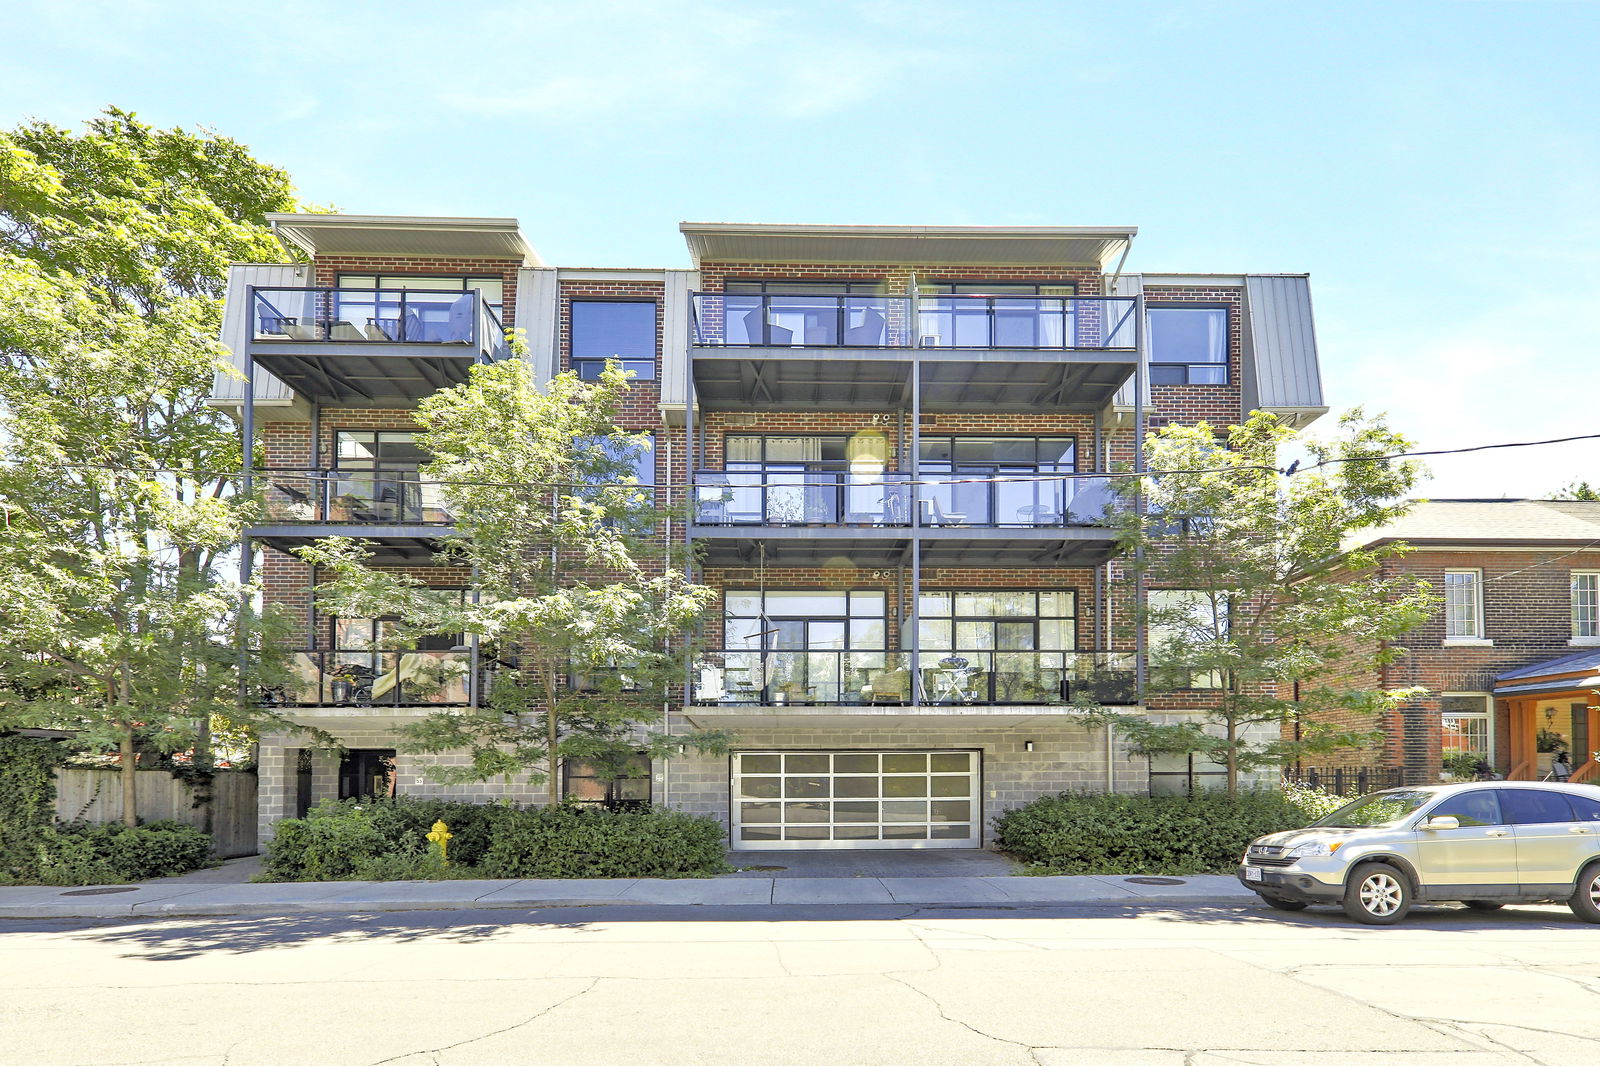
{"x":101,"y":891}
{"x":765,"y":869}
{"x":1155,"y":881}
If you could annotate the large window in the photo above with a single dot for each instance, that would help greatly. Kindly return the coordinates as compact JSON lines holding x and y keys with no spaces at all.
{"x":424,"y":317}
{"x":378,"y":479}
{"x":1188,"y":345}
{"x":1182,"y":622}
{"x":985,"y":314}
{"x":624,"y":330}
{"x":804,"y":645}
{"x":1586,"y":605}
{"x":1001,"y":481}
{"x":1465,"y":726}
{"x":586,"y":783}
{"x":1463,"y":604}
{"x":806,"y":313}
{"x":997,"y":646}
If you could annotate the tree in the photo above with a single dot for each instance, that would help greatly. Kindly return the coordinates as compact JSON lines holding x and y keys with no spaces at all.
{"x":117,"y":480}
{"x":1578,"y":490}
{"x":572,"y":579}
{"x":1278,"y":615}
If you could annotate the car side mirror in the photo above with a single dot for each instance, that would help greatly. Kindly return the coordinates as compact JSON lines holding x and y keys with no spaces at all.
{"x":1442,"y":821}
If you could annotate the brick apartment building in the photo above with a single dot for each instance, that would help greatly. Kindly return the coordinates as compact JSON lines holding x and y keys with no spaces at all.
{"x":887,"y":440}
{"x":1511,"y":660}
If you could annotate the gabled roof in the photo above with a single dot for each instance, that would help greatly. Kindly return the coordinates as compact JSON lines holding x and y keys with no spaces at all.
{"x":746,"y":242}
{"x":1494,"y":522}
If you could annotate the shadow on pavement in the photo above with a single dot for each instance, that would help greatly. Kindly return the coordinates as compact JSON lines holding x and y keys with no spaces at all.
{"x":172,"y":939}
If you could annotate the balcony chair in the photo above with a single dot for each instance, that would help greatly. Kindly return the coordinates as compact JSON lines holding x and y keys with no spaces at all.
{"x":941,"y":517}
{"x":869,"y":334}
{"x":889,"y":686}
{"x":776,"y":336}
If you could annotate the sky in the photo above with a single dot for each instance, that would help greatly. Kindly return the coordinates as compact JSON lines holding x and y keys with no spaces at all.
{"x":1434,"y":166}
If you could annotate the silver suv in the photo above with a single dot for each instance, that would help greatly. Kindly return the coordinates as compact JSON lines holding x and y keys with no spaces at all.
{"x":1484,"y":844}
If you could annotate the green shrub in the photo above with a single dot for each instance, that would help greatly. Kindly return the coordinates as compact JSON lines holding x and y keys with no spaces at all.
{"x":27,"y":792}
{"x":1112,"y":834}
{"x":593,"y":842}
{"x":378,"y":839}
{"x":80,"y":854}
{"x":326,"y":845}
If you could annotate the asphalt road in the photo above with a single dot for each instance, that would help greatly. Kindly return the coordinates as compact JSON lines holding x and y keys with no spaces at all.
{"x":641,"y":986}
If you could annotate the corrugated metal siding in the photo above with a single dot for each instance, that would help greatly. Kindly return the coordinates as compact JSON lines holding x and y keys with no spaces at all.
{"x":675,"y":336}
{"x":536,"y":317}
{"x":1127,"y":285}
{"x":1281,"y":370}
{"x":229,"y":388}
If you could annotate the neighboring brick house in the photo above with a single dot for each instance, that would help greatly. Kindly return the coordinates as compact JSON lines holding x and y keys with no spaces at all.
{"x":1511,"y":660}
{"x":891,"y":442}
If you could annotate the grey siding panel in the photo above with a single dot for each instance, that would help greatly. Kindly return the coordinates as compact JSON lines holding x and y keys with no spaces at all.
{"x":229,"y":388}
{"x":1281,"y":344}
{"x":675,"y":336}
{"x":536,"y":318}
{"x":1128,"y":285}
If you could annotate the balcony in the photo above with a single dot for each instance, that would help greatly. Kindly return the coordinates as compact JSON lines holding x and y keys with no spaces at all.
{"x":371,"y":678}
{"x":832,"y":678}
{"x":767,"y":351}
{"x":805,"y":518}
{"x":402,"y":518}
{"x":371,"y":347}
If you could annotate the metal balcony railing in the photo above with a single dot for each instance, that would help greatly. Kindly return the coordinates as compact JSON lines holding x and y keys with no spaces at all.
{"x":371,"y":678}
{"x":392,"y":495}
{"x":989,"y":498}
{"x":772,"y":320}
{"x":378,"y":316}
{"x":838,"y":678}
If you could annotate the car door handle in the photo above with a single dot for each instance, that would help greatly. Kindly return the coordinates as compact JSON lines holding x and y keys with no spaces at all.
{"x":1577,"y":829}
{"x":1495,"y":833}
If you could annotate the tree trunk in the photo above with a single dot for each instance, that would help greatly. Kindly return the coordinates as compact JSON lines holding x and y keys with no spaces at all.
{"x":203,"y":762}
{"x":130,"y":779}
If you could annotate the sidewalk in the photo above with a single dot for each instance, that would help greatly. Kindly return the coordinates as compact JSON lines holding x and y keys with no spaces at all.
{"x":178,"y":897}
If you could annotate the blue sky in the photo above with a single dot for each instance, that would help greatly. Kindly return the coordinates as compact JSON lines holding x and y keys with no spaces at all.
{"x":1432,"y":165}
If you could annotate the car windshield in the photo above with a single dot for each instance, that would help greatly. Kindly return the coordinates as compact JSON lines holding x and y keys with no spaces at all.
{"x":1382,"y":808}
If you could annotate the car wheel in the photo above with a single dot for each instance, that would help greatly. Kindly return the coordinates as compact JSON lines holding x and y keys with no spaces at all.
{"x":1278,"y":904}
{"x":1377,"y":894}
{"x":1482,"y":904}
{"x":1585,"y":901}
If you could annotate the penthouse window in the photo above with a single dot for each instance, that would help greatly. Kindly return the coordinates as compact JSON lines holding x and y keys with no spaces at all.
{"x":624,"y":330}
{"x":1188,"y":345}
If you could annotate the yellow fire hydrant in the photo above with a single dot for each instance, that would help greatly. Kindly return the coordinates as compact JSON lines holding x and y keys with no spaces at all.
{"x":441,"y":836}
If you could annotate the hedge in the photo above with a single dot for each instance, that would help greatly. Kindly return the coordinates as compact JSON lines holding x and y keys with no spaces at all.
{"x":1100,"y":833}
{"x":385,"y":839}
{"x":81,"y":854}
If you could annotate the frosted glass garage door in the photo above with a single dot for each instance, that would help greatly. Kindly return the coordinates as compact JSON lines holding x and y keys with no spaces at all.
{"x":856,"y":799}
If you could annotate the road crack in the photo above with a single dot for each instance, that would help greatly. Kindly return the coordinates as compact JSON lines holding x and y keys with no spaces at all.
{"x":434,"y":1052}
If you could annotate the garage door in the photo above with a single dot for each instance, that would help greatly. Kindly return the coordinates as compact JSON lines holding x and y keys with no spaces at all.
{"x":856,"y":799}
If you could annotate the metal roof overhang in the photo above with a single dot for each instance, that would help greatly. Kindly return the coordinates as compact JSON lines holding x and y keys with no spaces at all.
{"x":877,"y":548}
{"x":476,"y":238}
{"x":953,"y":379}
{"x":926,"y":717}
{"x":365,"y":375}
{"x":1092,"y":246}
{"x":407,"y":545}
{"x":1553,"y":686}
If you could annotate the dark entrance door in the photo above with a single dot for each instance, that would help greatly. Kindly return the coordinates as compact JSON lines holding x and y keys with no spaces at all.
{"x":366,"y":772}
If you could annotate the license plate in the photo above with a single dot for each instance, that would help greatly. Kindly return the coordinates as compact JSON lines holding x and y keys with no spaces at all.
{"x":1252,"y":873}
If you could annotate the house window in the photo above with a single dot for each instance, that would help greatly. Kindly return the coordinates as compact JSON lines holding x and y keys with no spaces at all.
{"x":1184,"y":624}
{"x":997,"y":646}
{"x":378,"y":479}
{"x":639,"y":459}
{"x":816,"y":313}
{"x":1586,"y":605}
{"x":987,"y":314}
{"x":629,"y":788}
{"x":790,"y":646}
{"x":624,"y":330}
{"x":427,"y":312}
{"x":999,"y":481}
{"x":1463,"y":604}
{"x":1188,"y":345}
{"x":366,"y":772}
{"x":1465,"y":726}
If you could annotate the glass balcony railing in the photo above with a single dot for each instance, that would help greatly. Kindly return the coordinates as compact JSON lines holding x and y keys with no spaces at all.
{"x":774,"y":497}
{"x":866,"y":678}
{"x":378,"y":316}
{"x":771,"y":320}
{"x":809,"y":321}
{"x":798,"y":498}
{"x":389,"y":496}
{"x":366,"y":678}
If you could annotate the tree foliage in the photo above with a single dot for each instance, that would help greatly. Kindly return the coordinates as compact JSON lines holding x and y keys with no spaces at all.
{"x":117,"y":479}
{"x":1283,"y":612}
{"x":575,"y":589}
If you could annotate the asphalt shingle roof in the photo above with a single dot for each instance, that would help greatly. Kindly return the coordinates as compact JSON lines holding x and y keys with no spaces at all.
{"x":1494,"y":522}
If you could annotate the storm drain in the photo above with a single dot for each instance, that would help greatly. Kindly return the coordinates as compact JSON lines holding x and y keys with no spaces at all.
{"x":1155,"y":881}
